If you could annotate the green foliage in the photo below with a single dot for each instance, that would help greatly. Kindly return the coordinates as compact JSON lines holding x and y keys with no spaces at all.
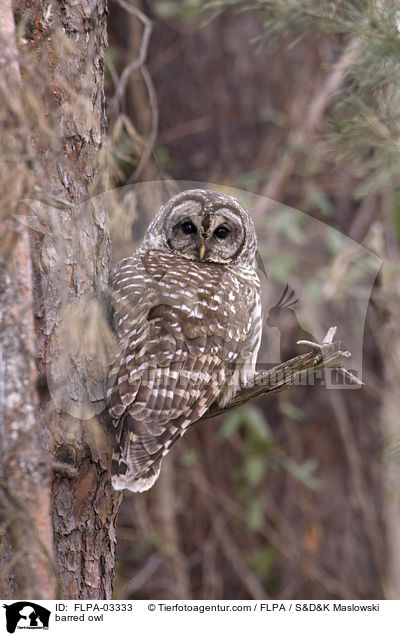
{"x":291,"y":410}
{"x":259,"y":454}
{"x":111,"y":58}
{"x":254,"y":469}
{"x":276,"y":117}
{"x":396,"y":214}
{"x":254,"y":514}
{"x":187,"y":9}
{"x":334,"y":240}
{"x":162,"y":156}
{"x":255,"y":425}
{"x":289,"y":227}
{"x":189,"y":458}
{"x":365,"y":127}
{"x":261,"y":561}
{"x":256,"y":446}
{"x":317,"y":200}
{"x":281,"y":268}
{"x":250,"y":433}
{"x":304,"y":473}
{"x":251,"y":179}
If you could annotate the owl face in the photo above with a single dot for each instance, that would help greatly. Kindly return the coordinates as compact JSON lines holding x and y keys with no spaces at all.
{"x":203,"y":225}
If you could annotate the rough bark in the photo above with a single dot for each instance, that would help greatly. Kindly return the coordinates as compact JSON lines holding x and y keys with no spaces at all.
{"x":84,"y":504}
{"x":25,"y":470}
{"x":61,"y":119}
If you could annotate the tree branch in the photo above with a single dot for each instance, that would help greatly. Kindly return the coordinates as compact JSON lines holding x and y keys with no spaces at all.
{"x":287,"y":374}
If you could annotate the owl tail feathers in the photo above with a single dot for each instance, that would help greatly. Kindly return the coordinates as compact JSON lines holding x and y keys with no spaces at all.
{"x":122,"y":477}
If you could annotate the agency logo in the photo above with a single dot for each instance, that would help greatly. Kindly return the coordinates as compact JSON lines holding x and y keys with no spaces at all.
{"x":26,"y":615}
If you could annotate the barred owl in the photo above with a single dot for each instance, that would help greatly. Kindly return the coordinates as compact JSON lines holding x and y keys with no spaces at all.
{"x":187,"y":314}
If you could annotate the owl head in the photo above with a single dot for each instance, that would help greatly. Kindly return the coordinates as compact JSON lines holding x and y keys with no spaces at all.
{"x":203,"y":225}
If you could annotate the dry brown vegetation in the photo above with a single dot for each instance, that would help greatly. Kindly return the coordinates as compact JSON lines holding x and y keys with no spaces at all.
{"x":293,"y":496}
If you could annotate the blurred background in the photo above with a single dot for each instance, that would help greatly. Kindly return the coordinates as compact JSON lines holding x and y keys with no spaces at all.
{"x":294,"y":496}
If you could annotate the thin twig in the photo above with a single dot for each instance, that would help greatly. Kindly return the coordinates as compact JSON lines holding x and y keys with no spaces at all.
{"x":284,"y":540}
{"x":306,"y":127}
{"x":140,"y":63}
{"x":235,"y":557}
{"x":144,"y":575}
{"x":154,"y":123}
{"x":140,"y":60}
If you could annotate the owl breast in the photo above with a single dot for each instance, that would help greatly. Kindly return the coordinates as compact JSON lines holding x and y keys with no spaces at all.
{"x":189,"y":335}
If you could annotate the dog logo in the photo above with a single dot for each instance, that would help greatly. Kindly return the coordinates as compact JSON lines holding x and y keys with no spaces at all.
{"x":26,"y":615}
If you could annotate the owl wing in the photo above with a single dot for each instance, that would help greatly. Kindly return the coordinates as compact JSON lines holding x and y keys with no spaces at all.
{"x":178,"y":339}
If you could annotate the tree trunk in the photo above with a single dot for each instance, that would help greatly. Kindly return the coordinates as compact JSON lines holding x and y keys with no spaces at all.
{"x":25,"y":471}
{"x":58,"y":122}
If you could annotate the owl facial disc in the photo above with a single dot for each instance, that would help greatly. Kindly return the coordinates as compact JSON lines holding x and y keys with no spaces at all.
{"x":207,"y":226}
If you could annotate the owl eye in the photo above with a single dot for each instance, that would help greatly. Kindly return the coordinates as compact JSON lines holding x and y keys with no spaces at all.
{"x":222,"y":232}
{"x":188,"y":227}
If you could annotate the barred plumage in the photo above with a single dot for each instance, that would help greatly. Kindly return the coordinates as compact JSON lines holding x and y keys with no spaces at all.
{"x":188,"y":321}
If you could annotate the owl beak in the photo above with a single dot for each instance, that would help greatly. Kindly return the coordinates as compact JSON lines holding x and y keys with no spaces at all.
{"x":202,"y":251}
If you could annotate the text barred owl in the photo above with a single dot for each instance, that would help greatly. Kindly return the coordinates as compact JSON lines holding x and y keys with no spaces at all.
{"x":188,"y":321}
